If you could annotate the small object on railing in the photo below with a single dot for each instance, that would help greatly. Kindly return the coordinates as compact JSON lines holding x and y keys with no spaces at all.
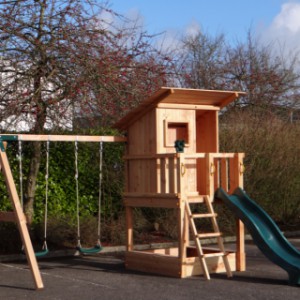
{"x":182,"y":169}
{"x":242,"y":168}
{"x":212,"y":169}
{"x":179,"y":146}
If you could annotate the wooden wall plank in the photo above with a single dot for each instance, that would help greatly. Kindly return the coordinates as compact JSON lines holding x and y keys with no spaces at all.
{"x":7,"y":216}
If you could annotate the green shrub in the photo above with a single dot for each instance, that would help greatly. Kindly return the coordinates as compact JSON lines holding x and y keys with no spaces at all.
{"x":62,"y":186}
{"x":272,"y":161}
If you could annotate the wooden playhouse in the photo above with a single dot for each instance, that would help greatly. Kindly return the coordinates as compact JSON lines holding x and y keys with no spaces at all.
{"x":158,"y":175}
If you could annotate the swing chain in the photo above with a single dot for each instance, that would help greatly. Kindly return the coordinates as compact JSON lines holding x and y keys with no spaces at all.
{"x":77,"y":194}
{"x":20,"y":172}
{"x":100,"y":191}
{"x":46,"y":195}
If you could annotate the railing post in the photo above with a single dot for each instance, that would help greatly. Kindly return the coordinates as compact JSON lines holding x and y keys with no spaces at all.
{"x":210,"y":175}
{"x":236,"y":172}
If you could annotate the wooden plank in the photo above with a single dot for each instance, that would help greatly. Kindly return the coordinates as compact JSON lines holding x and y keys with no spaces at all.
{"x":67,"y":138}
{"x":7,"y":216}
{"x":151,"y":195}
{"x":188,"y":106}
{"x":164,"y":175}
{"x":21,"y":220}
{"x":210,"y":171}
{"x":223,"y":155}
{"x":152,"y":202}
{"x":166,"y":262}
{"x":172,"y":176}
{"x":229,"y":99}
{"x":129,"y":227}
{"x":215,"y":264}
{"x":150,"y":156}
{"x":237,"y":180}
{"x":240,"y":246}
{"x":185,"y":235}
{"x":153,"y":263}
{"x":144,"y":107}
{"x":194,"y":155}
{"x":224,"y":174}
{"x":159,"y":175}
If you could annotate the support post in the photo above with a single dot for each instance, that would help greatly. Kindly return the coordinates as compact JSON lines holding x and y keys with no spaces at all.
{"x":237,"y":180}
{"x":20,"y":218}
{"x":183,"y":226}
{"x":129,"y":228}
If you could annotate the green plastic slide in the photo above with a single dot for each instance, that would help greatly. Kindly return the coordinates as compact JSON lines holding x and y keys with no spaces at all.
{"x":265,"y":233}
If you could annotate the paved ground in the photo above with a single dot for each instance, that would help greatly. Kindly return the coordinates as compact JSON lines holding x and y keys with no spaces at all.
{"x":104,"y":277}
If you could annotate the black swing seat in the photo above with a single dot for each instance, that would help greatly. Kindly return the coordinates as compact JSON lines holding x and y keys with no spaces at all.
{"x":93,"y":250}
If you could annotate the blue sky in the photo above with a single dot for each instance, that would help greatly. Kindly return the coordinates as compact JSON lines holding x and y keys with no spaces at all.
{"x":276,"y":19}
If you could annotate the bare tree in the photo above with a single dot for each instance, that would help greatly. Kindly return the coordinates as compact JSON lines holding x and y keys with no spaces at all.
{"x":202,"y":61}
{"x":269,"y":79}
{"x":60,"y":58}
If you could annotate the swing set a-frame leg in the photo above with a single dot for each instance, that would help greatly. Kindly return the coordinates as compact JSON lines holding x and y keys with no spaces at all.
{"x":20,"y":219}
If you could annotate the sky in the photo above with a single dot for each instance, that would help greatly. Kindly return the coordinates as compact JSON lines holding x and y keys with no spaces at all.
{"x":271,"y":20}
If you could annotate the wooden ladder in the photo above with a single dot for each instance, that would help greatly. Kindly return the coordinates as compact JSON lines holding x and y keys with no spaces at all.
{"x":215,"y":234}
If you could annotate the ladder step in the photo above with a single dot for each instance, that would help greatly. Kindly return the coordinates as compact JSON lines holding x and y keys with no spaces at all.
{"x":194,"y":199}
{"x":208,"y":215}
{"x":208,"y":235}
{"x":216,"y":254}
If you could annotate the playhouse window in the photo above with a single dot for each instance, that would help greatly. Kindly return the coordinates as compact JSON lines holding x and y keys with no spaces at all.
{"x":176,"y":131}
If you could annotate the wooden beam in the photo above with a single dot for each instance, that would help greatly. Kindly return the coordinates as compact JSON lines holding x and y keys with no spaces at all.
{"x":153,"y":263}
{"x":188,"y":106}
{"x":151,"y":195}
{"x":144,"y":107}
{"x":21,"y":220}
{"x":129,"y":227}
{"x":230,"y":99}
{"x":150,"y":156}
{"x":152,"y":202}
{"x":66,"y":138}
{"x":7,"y":216}
{"x":237,"y":180}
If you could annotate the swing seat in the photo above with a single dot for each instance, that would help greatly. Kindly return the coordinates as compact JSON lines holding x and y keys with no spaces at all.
{"x":41,"y":253}
{"x":93,"y":250}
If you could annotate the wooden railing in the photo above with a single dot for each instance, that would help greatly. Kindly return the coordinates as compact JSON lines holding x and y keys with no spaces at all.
{"x":181,"y":173}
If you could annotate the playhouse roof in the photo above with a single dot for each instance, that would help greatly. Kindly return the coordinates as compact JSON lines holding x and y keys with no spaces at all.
{"x":196,"y":97}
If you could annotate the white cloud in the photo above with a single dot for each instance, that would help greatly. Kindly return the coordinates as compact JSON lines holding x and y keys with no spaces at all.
{"x":193,"y":29}
{"x":285,"y":28}
{"x":288,"y":19}
{"x":171,"y":39}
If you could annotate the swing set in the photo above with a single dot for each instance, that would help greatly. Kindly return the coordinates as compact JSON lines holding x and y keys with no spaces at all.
{"x":17,"y":215}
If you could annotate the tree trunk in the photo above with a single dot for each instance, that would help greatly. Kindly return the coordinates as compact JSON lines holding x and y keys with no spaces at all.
{"x":31,"y":181}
